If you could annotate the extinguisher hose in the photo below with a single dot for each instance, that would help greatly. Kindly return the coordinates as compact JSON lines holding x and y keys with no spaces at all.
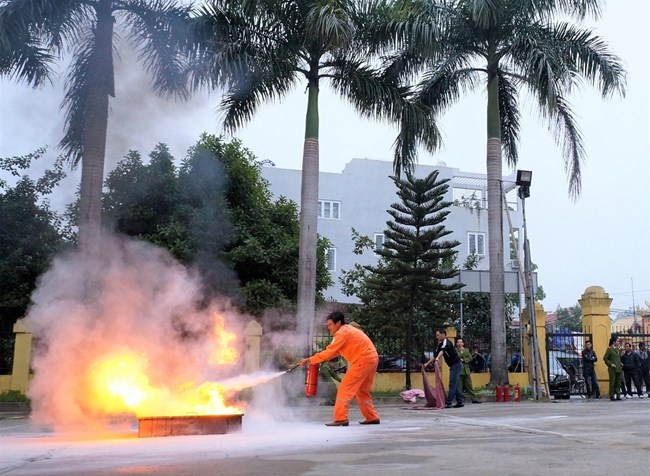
{"x":292,"y":368}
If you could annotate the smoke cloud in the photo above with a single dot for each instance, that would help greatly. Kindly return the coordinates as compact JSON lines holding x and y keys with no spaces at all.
{"x":134,"y":304}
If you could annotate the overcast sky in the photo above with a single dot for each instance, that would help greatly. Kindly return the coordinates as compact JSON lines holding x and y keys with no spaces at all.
{"x":602,"y":239}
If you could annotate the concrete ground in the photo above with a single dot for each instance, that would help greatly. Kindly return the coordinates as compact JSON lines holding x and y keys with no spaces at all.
{"x":568,"y":437}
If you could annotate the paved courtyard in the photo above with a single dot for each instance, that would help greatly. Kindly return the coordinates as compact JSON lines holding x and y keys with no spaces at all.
{"x":572,"y":437}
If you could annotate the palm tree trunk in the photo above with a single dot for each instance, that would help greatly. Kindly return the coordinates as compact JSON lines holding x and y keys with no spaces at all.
{"x":100,"y":86}
{"x":499,"y":374}
{"x":308,"y":221}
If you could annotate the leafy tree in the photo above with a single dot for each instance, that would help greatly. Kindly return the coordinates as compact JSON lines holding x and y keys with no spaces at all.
{"x":264,"y":48}
{"x":142,"y":197}
{"x":405,"y":294}
{"x":215,"y":212}
{"x":34,"y":33}
{"x":569,"y":318}
{"x":450,"y":46}
{"x":30,"y":235}
{"x":266,"y":232}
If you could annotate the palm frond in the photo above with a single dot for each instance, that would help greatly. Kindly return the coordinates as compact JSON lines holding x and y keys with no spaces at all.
{"x":32,"y":33}
{"x":443,"y":85}
{"x":330,"y":24}
{"x":371,"y":92}
{"x":485,"y":13}
{"x":590,"y":56}
{"x":227,"y":43}
{"x":417,"y":127}
{"x":160,"y":30}
{"x":74,"y":102}
{"x":418,"y":25}
{"x":509,"y":117}
{"x":546,"y":10}
{"x":22,"y":59}
{"x":245,"y":95}
{"x":403,"y":65}
{"x":569,"y":137}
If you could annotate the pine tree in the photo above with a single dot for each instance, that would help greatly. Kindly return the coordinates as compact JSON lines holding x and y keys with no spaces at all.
{"x":407,"y":288}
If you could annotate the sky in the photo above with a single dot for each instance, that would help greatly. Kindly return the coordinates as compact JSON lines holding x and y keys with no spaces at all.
{"x":599,"y":239}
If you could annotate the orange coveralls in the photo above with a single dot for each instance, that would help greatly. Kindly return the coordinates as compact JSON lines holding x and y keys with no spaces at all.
{"x":359,"y":351}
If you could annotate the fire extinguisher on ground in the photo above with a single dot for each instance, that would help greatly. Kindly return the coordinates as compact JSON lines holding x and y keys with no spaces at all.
{"x":517,"y":393}
{"x":497,"y":390}
{"x":506,"y":393}
{"x":311,"y":384}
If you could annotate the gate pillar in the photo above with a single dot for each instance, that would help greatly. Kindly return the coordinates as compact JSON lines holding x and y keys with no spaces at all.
{"x":595,"y":303}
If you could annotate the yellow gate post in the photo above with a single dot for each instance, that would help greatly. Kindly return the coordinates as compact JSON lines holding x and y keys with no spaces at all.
{"x":22,"y":356}
{"x":595,"y":303}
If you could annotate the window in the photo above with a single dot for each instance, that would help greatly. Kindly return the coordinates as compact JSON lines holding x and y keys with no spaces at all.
{"x":329,"y":210}
{"x":330,"y":258}
{"x":469,"y":198}
{"x":379,"y":241}
{"x":476,"y":244}
{"x":514,"y":244}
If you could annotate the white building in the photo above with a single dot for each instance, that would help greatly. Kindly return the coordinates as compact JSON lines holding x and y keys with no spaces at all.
{"x":361,"y":194}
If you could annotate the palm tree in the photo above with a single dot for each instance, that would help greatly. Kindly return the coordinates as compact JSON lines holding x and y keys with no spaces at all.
{"x":36,"y":33}
{"x":262,"y":49}
{"x":506,"y":46}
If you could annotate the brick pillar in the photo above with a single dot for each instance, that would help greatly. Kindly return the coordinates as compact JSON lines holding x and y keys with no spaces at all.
{"x":252,"y":338}
{"x":22,"y":356}
{"x":594,"y":304}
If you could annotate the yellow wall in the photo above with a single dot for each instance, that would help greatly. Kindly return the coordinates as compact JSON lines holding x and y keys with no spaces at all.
{"x":5,"y":383}
{"x":594,"y":303}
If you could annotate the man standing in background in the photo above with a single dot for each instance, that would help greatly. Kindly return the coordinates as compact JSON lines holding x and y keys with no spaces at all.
{"x":589,"y":358}
{"x":644,"y":361}
{"x":465,"y":374}
{"x":612,"y":359}
{"x":447,"y":350}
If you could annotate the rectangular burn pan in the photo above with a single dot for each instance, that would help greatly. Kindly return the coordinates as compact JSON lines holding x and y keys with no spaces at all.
{"x":189,"y":425}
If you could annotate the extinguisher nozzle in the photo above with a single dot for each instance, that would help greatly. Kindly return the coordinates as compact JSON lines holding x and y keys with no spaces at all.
{"x":292,"y":368}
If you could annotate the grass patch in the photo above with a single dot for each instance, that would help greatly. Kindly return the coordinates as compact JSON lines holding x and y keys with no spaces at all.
{"x":385,"y":393}
{"x":13,"y":396}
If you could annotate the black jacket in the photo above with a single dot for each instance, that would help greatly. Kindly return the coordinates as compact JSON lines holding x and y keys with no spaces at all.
{"x":645,"y":362}
{"x":448,"y":352}
{"x":588,"y":358}
{"x":630,"y":360}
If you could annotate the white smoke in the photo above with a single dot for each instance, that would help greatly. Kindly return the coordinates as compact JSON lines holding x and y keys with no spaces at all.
{"x":131,"y":296}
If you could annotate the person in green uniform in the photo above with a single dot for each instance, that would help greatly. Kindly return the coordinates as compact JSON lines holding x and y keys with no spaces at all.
{"x":465,"y":377}
{"x":612,"y":359}
{"x":330,"y":380}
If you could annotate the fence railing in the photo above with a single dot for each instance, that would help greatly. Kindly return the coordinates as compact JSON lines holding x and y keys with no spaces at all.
{"x":392,"y":351}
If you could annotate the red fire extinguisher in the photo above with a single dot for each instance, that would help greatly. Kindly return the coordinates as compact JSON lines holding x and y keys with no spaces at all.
{"x":506,"y":393}
{"x":311,"y":384}
{"x":517,"y":393}
{"x":498,"y":392}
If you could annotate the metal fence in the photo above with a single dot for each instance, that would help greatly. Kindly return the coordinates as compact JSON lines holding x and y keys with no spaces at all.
{"x":564,"y":362}
{"x":392,"y":350}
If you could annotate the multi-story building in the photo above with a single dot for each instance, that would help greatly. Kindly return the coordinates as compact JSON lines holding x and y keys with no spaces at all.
{"x":361,"y":194}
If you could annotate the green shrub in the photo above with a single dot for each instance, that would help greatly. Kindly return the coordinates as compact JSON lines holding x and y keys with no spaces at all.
{"x":13,"y":396}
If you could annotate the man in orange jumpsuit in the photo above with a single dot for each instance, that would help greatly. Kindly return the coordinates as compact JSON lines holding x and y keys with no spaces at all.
{"x":359,"y":351}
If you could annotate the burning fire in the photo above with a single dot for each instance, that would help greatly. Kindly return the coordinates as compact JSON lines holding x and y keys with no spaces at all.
{"x":119,"y":383}
{"x":223,"y":352}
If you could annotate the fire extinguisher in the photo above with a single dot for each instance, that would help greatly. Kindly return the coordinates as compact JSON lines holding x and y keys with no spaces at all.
{"x":498,"y":392}
{"x":506,"y":393}
{"x":311,"y":384}
{"x":517,"y":393}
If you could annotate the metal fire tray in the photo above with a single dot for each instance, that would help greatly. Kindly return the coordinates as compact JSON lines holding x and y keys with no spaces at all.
{"x":189,"y":425}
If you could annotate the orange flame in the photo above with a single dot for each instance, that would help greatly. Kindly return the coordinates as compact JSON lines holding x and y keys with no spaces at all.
{"x":118,"y":383}
{"x":223,"y":351}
